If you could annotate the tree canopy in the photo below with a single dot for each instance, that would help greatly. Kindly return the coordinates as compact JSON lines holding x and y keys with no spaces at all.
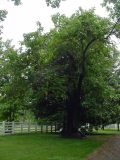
{"x":69,"y":75}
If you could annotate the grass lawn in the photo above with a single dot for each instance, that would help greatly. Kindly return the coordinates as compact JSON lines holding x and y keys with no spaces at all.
{"x":47,"y":147}
{"x":108,"y":131}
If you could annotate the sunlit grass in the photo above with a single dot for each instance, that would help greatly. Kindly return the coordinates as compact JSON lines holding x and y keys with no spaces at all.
{"x":47,"y":147}
{"x":107,"y":131}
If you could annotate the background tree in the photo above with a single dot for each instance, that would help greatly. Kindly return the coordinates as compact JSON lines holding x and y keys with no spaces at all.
{"x":13,"y":84}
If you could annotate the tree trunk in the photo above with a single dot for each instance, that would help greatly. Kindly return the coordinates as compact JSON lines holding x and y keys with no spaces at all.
{"x":74,"y":112}
{"x":74,"y":105}
{"x":71,"y":123}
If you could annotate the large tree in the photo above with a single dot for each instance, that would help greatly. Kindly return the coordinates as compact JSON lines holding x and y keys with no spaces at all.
{"x":69,"y":69}
{"x":78,"y":39}
{"x":66,"y":71}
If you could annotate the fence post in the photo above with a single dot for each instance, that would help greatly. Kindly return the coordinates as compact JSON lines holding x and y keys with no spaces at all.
{"x":3,"y":129}
{"x":51,"y":127}
{"x":21,"y":125}
{"x":13,"y":127}
{"x":29,"y":127}
{"x":36,"y":127}
{"x":41,"y":127}
{"x":55,"y":127}
{"x":118,"y":128}
{"x":46,"y":128}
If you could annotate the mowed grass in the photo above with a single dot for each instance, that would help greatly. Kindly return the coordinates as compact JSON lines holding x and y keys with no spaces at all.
{"x":109,"y":131}
{"x":47,"y":147}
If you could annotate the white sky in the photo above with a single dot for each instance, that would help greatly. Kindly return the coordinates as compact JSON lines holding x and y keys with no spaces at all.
{"x":22,"y":19}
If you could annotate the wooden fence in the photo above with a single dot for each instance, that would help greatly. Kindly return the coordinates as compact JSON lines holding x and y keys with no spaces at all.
{"x":113,"y":126}
{"x":27,"y":127}
{"x":31,"y":127}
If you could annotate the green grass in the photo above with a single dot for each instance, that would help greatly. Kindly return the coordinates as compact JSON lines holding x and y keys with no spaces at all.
{"x":47,"y":147}
{"x":108,"y":131}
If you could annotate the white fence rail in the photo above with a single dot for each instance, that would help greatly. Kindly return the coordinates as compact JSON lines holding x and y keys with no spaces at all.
{"x":112,"y":126}
{"x":31,"y":127}
{"x":22,"y":127}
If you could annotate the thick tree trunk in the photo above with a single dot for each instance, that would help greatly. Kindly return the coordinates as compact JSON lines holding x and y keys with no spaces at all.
{"x":73,"y":112}
{"x":74,"y":104}
{"x":71,"y":123}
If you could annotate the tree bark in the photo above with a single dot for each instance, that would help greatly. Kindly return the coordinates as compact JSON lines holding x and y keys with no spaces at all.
{"x":73,"y":112}
{"x":74,"y":104}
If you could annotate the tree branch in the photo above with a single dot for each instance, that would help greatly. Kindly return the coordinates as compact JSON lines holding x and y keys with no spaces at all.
{"x":112,"y":30}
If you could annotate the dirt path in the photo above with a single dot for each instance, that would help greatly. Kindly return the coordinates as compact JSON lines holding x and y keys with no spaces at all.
{"x":109,"y":151}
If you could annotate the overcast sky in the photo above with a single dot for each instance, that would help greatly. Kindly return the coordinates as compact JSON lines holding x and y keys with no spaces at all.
{"x":22,"y":19}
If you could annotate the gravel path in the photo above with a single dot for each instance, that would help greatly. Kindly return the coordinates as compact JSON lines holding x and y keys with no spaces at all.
{"x":109,"y":151}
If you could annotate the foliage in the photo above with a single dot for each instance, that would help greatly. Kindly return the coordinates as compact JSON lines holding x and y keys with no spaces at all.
{"x":55,"y":77}
{"x":53,"y":3}
{"x":16,"y":2}
{"x":66,"y":75}
{"x":113,"y":6}
{"x":11,"y":83}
